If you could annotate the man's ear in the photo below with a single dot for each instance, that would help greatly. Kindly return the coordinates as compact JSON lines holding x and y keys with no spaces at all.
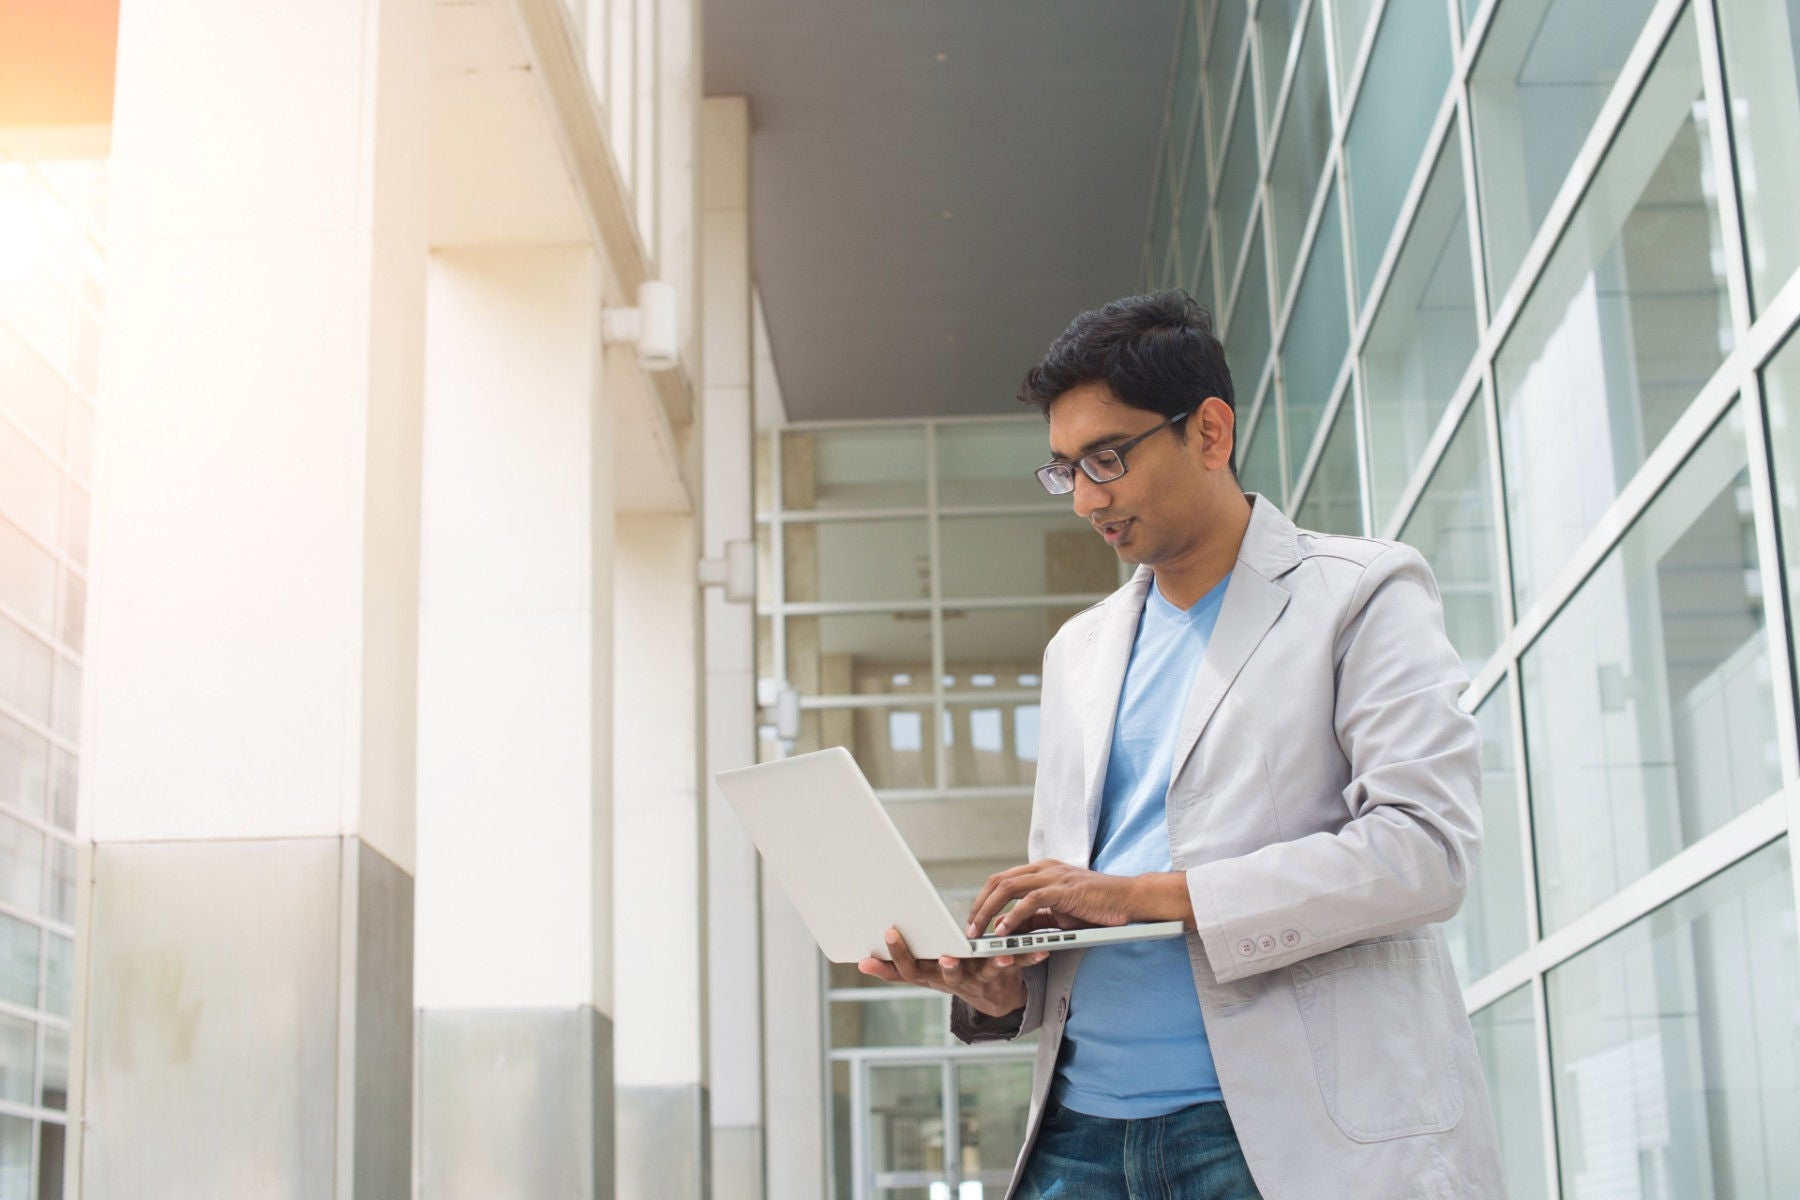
{"x":1218,"y":432}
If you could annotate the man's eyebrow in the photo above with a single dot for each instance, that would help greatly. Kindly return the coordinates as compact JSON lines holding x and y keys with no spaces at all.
{"x":1089,"y":446}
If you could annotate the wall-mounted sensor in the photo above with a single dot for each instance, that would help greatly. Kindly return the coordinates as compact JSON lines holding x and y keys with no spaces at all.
{"x":652,"y":326}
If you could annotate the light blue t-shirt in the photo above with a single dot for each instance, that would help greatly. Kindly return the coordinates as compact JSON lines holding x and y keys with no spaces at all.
{"x":1135,"y":1044}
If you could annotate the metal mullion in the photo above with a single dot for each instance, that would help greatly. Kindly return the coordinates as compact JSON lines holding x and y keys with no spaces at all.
{"x":829,"y":608}
{"x":1731,"y":229}
{"x":859,"y":424}
{"x":59,"y":555}
{"x":1431,"y":456}
{"x":33,"y":725}
{"x":952,"y":1126}
{"x":778,"y":567}
{"x":32,"y":1112}
{"x":860,"y":1168}
{"x":25,"y":1012}
{"x":1234,"y":96}
{"x":926,"y":1056}
{"x":1365,"y":484}
{"x":1773,"y":576}
{"x":837,"y":700}
{"x":38,"y":824}
{"x":1360,"y":67}
{"x":1504,"y":659}
{"x":827,"y":516}
{"x":1465,"y":134}
{"x":41,"y":920}
{"x":1309,"y":237}
{"x":1022,"y":509}
{"x":1546,"y":1080}
{"x":990,"y":792}
{"x":1585,"y":168}
{"x":1284,"y":86}
{"x":934,"y":540}
{"x":994,"y":696}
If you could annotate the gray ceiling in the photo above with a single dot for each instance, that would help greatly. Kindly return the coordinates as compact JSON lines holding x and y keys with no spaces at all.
{"x":938,"y":186}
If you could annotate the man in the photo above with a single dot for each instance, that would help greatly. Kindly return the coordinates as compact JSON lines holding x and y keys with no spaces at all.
{"x":1259,"y":735}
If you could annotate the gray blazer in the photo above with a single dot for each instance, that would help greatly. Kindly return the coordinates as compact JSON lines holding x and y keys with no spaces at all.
{"x":1325,"y":807}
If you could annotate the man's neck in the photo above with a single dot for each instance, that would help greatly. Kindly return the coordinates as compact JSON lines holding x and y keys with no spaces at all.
{"x":1185,"y":580}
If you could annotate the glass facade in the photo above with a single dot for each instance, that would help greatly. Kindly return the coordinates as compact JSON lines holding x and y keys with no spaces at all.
{"x":52,"y":283}
{"x":1510,"y":280}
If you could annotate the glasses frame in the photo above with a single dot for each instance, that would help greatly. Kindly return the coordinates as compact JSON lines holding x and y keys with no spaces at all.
{"x":1053,"y":473}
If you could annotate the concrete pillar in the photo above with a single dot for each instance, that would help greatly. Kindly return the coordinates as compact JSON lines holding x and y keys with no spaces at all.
{"x":514,"y":971}
{"x":659,"y":849}
{"x":734,"y":1017}
{"x":244,"y":1005}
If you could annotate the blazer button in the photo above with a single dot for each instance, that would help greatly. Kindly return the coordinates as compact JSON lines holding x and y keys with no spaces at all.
{"x":1290,"y":938}
{"x":1247,"y":948}
{"x":1265,"y":943}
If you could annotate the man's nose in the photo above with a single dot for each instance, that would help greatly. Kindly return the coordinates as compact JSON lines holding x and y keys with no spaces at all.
{"x":1089,"y":497}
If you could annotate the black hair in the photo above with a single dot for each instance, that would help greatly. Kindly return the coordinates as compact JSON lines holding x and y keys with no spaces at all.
{"x":1156,"y":352}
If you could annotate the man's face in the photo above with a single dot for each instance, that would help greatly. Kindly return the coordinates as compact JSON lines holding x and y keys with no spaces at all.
{"x":1156,"y":511}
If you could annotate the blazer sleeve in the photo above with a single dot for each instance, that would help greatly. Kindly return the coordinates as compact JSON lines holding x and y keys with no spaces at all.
{"x":1405,"y":856}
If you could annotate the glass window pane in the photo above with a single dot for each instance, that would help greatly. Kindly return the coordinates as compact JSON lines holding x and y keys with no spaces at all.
{"x":1318,"y":334}
{"x":62,"y":882}
{"x":1205,"y":287}
{"x":1333,"y":502}
{"x":1647,"y":705}
{"x":59,"y":973}
{"x":1352,"y":17}
{"x":24,"y":768}
{"x":1238,"y":177}
{"x":75,"y":523}
{"x":18,"y":1059}
{"x":1629,"y":320}
{"x":56,"y":1069}
{"x":1259,"y":466}
{"x":1224,"y":46}
{"x":63,"y":788}
{"x":1423,"y":335}
{"x":873,"y":467}
{"x":983,"y":463}
{"x":1275,"y":21}
{"x":1781,"y":394}
{"x":1300,"y":152}
{"x":18,"y":961}
{"x":1005,"y":645}
{"x":21,"y":865}
{"x":1544,"y":70}
{"x":1506,"y":1039}
{"x":72,"y":629}
{"x":27,"y":577}
{"x":1762,"y":76}
{"x":896,"y":747}
{"x":1409,"y":69}
{"x":904,"y":1018}
{"x":1674,"y":1051}
{"x":68,"y":699}
{"x":993,"y":744}
{"x":860,"y":653}
{"x":30,"y":487}
{"x":1490,"y":928}
{"x":35,"y":393}
{"x":993,"y":1103}
{"x":15,"y":1158}
{"x":1196,"y":201}
{"x":1247,"y":337}
{"x":1453,"y":527}
{"x":26,"y":664}
{"x":834,"y":561}
{"x":1056,"y":553}
{"x":906,"y":1120}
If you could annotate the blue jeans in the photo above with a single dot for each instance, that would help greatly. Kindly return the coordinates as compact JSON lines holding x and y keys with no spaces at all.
{"x":1190,"y":1154}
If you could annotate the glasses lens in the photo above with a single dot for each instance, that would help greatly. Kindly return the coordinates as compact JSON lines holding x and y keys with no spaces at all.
{"x":1103,"y":466}
{"x":1058,"y":478}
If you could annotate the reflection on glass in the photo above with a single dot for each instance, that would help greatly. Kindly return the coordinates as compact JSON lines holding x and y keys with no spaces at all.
{"x":1490,"y":927}
{"x":896,"y":747}
{"x":1762,"y":76}
{"x":1544,"y":70}
{"x":869,"y":467}
{"x":1237,"y":179}
{"x":1333,"y":502}
{"x":992,"y":745}
{"x":861,"y":653}
{"x":1409,"y":68}
{"x":992,"y":463}
{"x":993,"y":1103}
{"x":1629,"y":320}
{"x":1673,"y":1046}
{"x":18,"y":1059}
{"x":1259,"y":467}
{"x":906,"y":1121}
{"x":1648,"y":713}
{"x":1423,"y":336}
{"x":1781,"y":394}
{"x":1506,"y":1039}
{"x":1300,"y":152}
{"x":1452,"y":525}
{"x":1224,"y":46}
{"x":15,"y":1157}
{"x":1005,"y":644}
{"x":1247,"y":337}
{"x":1275,"y":31}
{"x":1019,"y":555}
{"x":900,"y":1017}
{"x":1352,"y":19}
{"x":1318,"y":334}
{"x":836,"y":561}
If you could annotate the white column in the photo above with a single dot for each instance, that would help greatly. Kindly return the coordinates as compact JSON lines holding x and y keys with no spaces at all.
{"x":244,"y":1022}
{"x":515,"y":730}
{"x":735,"y":959}
{"x":659,"y":847}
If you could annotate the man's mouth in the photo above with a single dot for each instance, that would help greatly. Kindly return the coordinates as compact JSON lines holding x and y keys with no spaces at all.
{"x":1114,"y":531}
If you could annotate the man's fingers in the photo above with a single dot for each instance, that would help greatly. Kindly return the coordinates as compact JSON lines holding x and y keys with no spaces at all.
{"x":1030,"y":905}
{"x":983,"y":899}
{"x":880,"y":970}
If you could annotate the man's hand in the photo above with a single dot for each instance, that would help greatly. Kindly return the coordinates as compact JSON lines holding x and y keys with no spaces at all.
{"x":1054,"y":893}
{"x":992,"y":986}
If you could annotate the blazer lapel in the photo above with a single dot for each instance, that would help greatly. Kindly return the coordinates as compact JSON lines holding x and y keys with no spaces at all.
{"x":1111,"y":654}
{"x":1253,"y":601}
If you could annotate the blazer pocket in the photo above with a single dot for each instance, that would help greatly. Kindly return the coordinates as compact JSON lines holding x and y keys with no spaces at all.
{"x":1380,"y":1037}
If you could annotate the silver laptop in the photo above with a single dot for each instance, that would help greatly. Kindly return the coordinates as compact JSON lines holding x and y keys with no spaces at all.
{"x":850,"y":874}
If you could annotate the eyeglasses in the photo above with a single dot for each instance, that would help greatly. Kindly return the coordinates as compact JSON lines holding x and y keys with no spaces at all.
{"x":1102,"y":466}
